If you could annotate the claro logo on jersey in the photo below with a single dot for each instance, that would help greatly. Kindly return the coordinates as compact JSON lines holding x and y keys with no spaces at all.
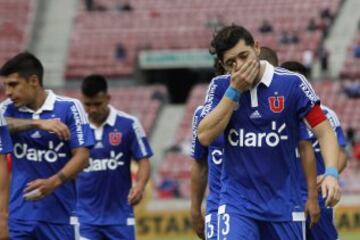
{"x":241,"y":138}
{"x":217,"y":156}
{"x":111,"y":163}
{"x":52,"y":154}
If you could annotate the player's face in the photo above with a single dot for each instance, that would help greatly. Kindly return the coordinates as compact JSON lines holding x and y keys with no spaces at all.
{"x":235,"y":57}
{"x":97,"y":106}
{"x":20,"y":90}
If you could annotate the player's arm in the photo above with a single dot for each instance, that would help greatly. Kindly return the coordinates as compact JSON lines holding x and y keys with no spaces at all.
{"x":308,"y":162}
{"x":141,"y":152}
{"x":216,"y":121}
{"x":143,"y":175}
{"x":81,"y":139}
{"x":40,"y":188}
{"x":330,"y":151}
{"x":4,"y":197}
{"x":52,"y":125}
{"x":199,"y":169}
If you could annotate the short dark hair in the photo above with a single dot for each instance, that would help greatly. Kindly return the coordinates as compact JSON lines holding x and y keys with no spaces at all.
{"x":295,"y":67}
{"x":25,"y":64}
{"x":218,"y":67}
{"x":93,"y":84}
{"x":269,"y":55}
{"x":227,"y":38}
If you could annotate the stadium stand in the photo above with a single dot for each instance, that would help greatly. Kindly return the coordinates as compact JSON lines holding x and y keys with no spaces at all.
{"x":182,"y":25}
{"x":137,"y":101}
{"x":142,"y":102}
{"x":16,"y":20}
{"x":351,"y":67}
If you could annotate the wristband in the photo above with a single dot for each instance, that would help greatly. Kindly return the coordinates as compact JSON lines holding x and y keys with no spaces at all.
{"x":62,"y":177}
{"x":331,"y":171}
{"x":233,"y":94}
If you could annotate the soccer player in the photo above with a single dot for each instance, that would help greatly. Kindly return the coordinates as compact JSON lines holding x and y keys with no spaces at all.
{"x":259,"y":116}
{"x":51,"y":137}
{"x":106,"y":195}
{"x":5,"y":148}
{"x":305,"y":152}
{"x":205,"y":169}
{"x":325,"y":228}
{"x":269,"y":55}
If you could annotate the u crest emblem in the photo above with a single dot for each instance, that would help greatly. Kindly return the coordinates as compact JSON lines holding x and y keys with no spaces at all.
{"x":276,"y":104}
{"x":115,"y":138}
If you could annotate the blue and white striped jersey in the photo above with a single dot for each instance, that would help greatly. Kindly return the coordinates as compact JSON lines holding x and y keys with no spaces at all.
{"x":103,"y":187}
{"x":5,"y":140}
{"x":41,"y":154}
{"x":214,"y":156}
{"x":259,"y":178}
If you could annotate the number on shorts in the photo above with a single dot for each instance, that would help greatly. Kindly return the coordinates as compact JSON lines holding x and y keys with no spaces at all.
{"x":226,"y":219}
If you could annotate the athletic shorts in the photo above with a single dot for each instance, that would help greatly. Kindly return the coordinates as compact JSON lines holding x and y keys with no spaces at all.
{"x":324,"y":229}
{"x":109,"y":232}
{"x":37,"y":230}
{"x":233,"y":226}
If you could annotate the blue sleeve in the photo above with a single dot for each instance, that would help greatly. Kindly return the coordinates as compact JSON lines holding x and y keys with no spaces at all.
{"x":6,"y":109}
{"x":215,"y":93}
{"x":198,"y":151}
{"x":76,"y":120}
{"x":5,"y":139}
{"x":336,"y":125}
{"x":341,"y":137}
{"x":305,"y":96}
{"x":140,"y":147}
{"x":304,"y":133}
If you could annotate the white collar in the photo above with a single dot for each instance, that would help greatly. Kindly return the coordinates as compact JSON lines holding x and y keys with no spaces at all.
{"x":268,"y":73}
{"x":48,"y":105}
{"x":110,"y":120}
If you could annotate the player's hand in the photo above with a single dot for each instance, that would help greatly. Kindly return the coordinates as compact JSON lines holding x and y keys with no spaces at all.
{"x":198,"y":223}
{"x":40,"y":188}
{"x":243,"y":78}
{"x":55,"y":126}
{"x":319,"y":180}
{"x":135,"y":195}
{"x":330,"y":191}
{"x":312,"y":210}
{"x":4,"y":231}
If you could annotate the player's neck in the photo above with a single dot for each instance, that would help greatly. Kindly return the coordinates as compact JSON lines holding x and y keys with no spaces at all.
{"x":39,"y":99}
{"x":100,"y":121}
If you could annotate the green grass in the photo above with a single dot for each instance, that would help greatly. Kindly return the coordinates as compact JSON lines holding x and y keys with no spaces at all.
{"x":350,"y":236}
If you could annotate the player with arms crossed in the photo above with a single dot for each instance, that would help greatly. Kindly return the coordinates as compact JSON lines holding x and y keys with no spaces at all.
{"x":205,"y":169}
{"x":325,"y":228}
{"x":259,"y":115}
{"x":5,"y":148}
{"x":51,"y":137}
{"x":105,"y":193}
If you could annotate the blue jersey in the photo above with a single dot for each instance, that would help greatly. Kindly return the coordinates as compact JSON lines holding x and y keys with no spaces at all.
{"x":259,"y":177}
{"x":214,"y":155}
{"x":41,"y":154}
{"x":306,"y":134}
{"x":103,"y":187}
{"x":5,"y":140}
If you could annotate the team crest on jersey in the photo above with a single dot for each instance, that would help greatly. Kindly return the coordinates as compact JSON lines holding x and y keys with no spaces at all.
{"x":276,"y":103}
{"x":115,"y":138}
